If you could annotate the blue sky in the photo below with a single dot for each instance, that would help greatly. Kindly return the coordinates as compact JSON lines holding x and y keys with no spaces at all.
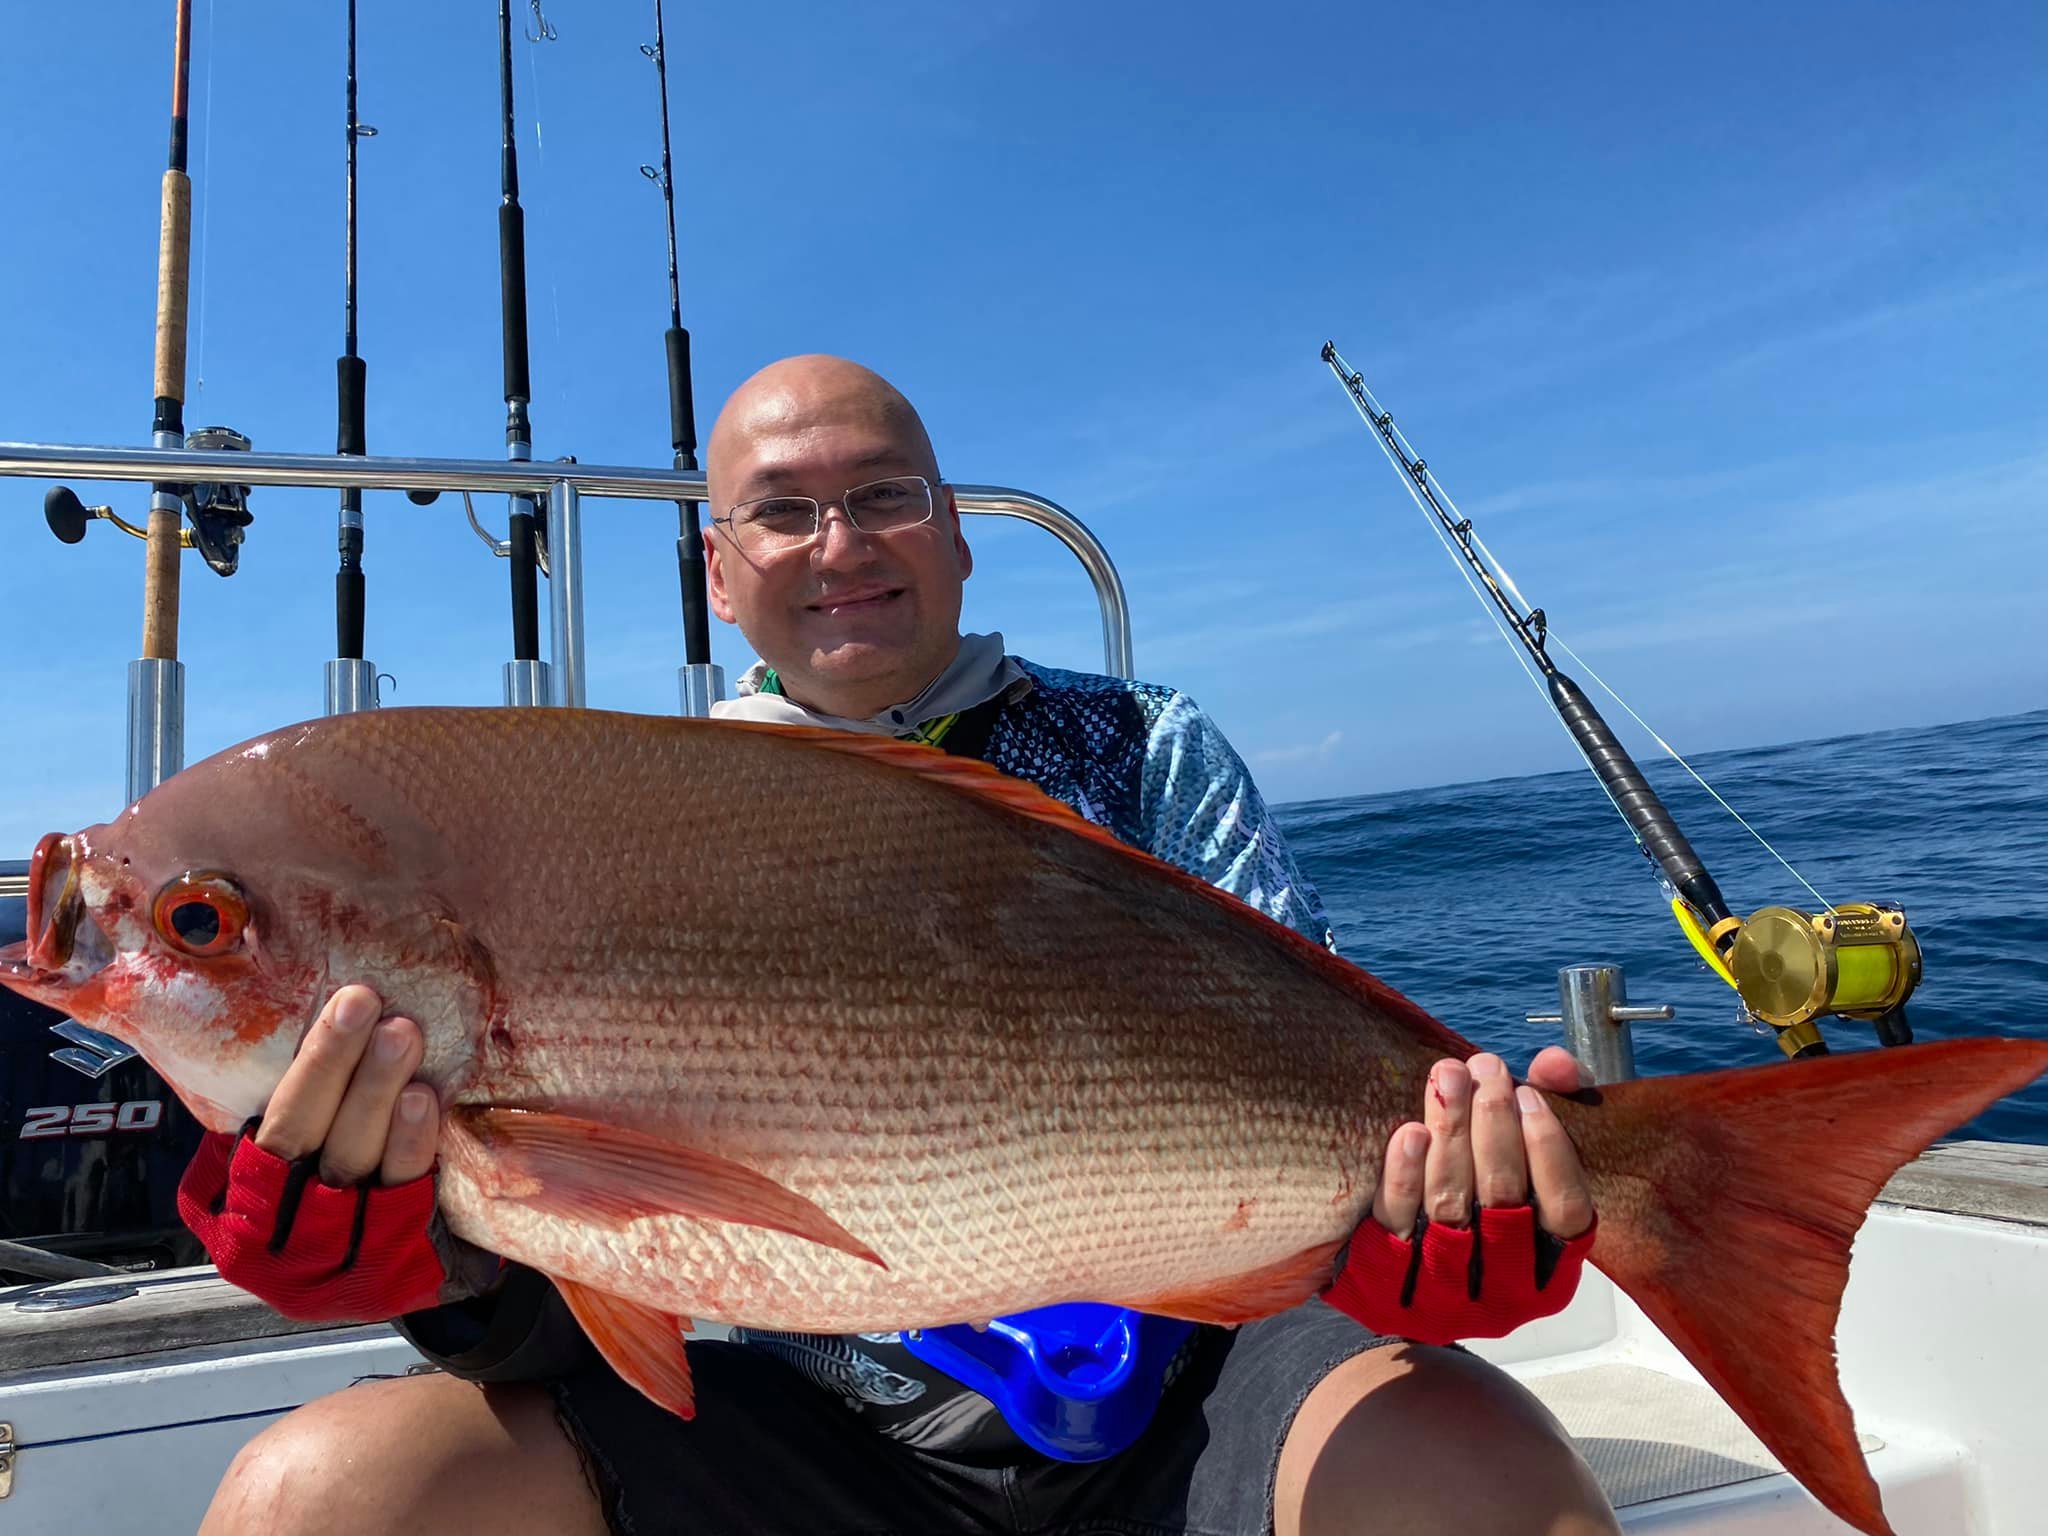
{"x":1725,"y":323}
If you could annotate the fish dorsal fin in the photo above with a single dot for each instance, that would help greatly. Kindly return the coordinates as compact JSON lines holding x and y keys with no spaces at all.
{"x":643,"y":1344}
{"x":972,"y":777}
{"x":964,"y":775}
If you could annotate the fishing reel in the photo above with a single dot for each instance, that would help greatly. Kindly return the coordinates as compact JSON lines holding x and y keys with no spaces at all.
{"x":218,"y":511}
{"x":68,"y":516}
{"x":1792,"y":968}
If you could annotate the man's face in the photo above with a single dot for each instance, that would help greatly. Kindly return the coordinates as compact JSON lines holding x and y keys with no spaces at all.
{"x":852,"y":622}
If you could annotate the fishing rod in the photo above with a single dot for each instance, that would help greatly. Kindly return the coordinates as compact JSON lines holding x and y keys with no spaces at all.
{"x":702,"y":683}
{"x":1790,"y":967}
{"x":351,"y":680}
{"x":219,"y":510}
{"x":526,"y":675}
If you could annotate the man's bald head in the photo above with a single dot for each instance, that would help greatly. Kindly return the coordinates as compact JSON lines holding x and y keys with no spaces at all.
{"x":853,"y":621}
{"x":780,"y":412}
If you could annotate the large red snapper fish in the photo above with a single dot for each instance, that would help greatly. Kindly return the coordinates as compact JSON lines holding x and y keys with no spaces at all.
{"x":795,"y":1029}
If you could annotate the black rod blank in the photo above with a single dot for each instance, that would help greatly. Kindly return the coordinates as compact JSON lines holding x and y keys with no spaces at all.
{"x":351,"y":381}
{"x":682,"y":410}
{"x":525,"y":560}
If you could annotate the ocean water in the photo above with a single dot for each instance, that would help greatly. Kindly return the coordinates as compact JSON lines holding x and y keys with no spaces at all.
{"x":1469,"y":897}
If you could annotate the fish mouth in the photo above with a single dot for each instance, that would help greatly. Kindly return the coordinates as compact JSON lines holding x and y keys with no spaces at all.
{"x":68,"y":990}
{"x":56,"y":902}
{"x":14,"y":965}
{"x":65,"y":947}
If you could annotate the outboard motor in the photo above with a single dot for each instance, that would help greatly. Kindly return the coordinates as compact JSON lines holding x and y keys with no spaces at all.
{"x":92,"y":1141}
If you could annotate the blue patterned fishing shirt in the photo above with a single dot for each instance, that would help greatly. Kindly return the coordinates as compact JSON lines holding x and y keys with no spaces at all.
{"x":1143,"y":762}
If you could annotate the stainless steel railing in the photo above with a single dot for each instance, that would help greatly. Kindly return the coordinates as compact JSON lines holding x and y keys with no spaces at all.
{"x":156,"y":731}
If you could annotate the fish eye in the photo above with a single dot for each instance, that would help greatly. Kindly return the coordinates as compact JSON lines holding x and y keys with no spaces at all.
{"x":201,"y":914}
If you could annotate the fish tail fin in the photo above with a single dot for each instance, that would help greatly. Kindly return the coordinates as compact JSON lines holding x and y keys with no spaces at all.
{"x":1728,"y":1204}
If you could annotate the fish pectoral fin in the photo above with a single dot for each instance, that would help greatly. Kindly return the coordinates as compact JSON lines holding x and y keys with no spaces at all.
{"x":643,"y":1345}
{"x":1246,"y":1297}
{"x":585,"y":1170}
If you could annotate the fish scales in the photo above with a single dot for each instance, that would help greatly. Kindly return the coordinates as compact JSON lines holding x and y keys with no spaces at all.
{"x":797,"y":1030}
{"x":921,"y":1011}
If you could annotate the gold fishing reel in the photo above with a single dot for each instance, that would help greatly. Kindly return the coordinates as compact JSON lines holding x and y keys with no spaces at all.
{"x":1791,"y":968}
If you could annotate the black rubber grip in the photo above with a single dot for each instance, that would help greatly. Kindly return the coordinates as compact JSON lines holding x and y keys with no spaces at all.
{"x":696,"y":612}
{"x":525,"y":589}
{"x":348,"y":614}
{"x":512,"y":288}
{"x":682,"y":410}
{"x":350,"y":378}
{"x":1639,"y":803}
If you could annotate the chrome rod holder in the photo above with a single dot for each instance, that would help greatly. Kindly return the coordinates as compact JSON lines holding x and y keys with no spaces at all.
{"x":351,"y":686}
{"x":528,"y":683}
{"x":1594,"y":1009}
{"x":565,"y":591}
{"x":156,"y":723}
{"x":701,"y":684}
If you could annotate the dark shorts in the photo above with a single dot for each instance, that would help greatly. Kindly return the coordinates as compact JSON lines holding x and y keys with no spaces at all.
{"x":769,"y":1454}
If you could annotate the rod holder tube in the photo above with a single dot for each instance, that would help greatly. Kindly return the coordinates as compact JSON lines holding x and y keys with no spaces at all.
{"x":701,"y":685}
{"x":351,"y":686}
{"x":156,"y":723}
{"x":527,"y":683}
{"x":1593,"y":1007}
{"x":565,"y":591}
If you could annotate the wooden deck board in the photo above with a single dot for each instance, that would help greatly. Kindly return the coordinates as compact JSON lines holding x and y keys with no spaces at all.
{"x":173,"y":1309}
{"x":2004,"y":1181}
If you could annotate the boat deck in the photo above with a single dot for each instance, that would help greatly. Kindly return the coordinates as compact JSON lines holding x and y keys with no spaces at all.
{"x":1949,"y":1268}
{"x":1940,"y":1347}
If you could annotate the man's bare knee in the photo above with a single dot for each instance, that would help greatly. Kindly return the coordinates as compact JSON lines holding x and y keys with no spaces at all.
{"x":1407,"y":1438}
{"x":408,"y":1455}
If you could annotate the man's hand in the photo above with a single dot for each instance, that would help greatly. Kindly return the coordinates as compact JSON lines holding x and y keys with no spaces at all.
{"x":325,"y":1211}
{"x":1481,"y":1139}
{"x":1420,"y":1267}
{"x":348,"y":1097}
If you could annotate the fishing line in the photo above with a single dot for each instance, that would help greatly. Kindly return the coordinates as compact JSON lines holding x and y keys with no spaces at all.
{"x":1464,"y":571}
{"x":1386,"y":428}
{"x":1507,"y":580}
{"x":1408,"y":484}
{"x":545,"y":33}
{"x":1790,"y":967}
{"x":1586,"y":667}
{"x":205,"y":206}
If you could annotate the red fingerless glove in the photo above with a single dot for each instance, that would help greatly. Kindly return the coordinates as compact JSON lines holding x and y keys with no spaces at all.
{"x":1451,"y":1283}
{"x":313,"y":1252}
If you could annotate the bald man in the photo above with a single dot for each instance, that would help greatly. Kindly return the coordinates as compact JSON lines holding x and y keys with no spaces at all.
{"x":836,"y":547}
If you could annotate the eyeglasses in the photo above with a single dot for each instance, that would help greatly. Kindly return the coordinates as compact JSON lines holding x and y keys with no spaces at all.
{"x":785,"y":522}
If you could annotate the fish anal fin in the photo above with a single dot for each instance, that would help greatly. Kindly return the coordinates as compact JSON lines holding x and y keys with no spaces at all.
{"x":586,"y":1171}
{"x":643,"y":1344}
{"x":1256,"y":1293}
